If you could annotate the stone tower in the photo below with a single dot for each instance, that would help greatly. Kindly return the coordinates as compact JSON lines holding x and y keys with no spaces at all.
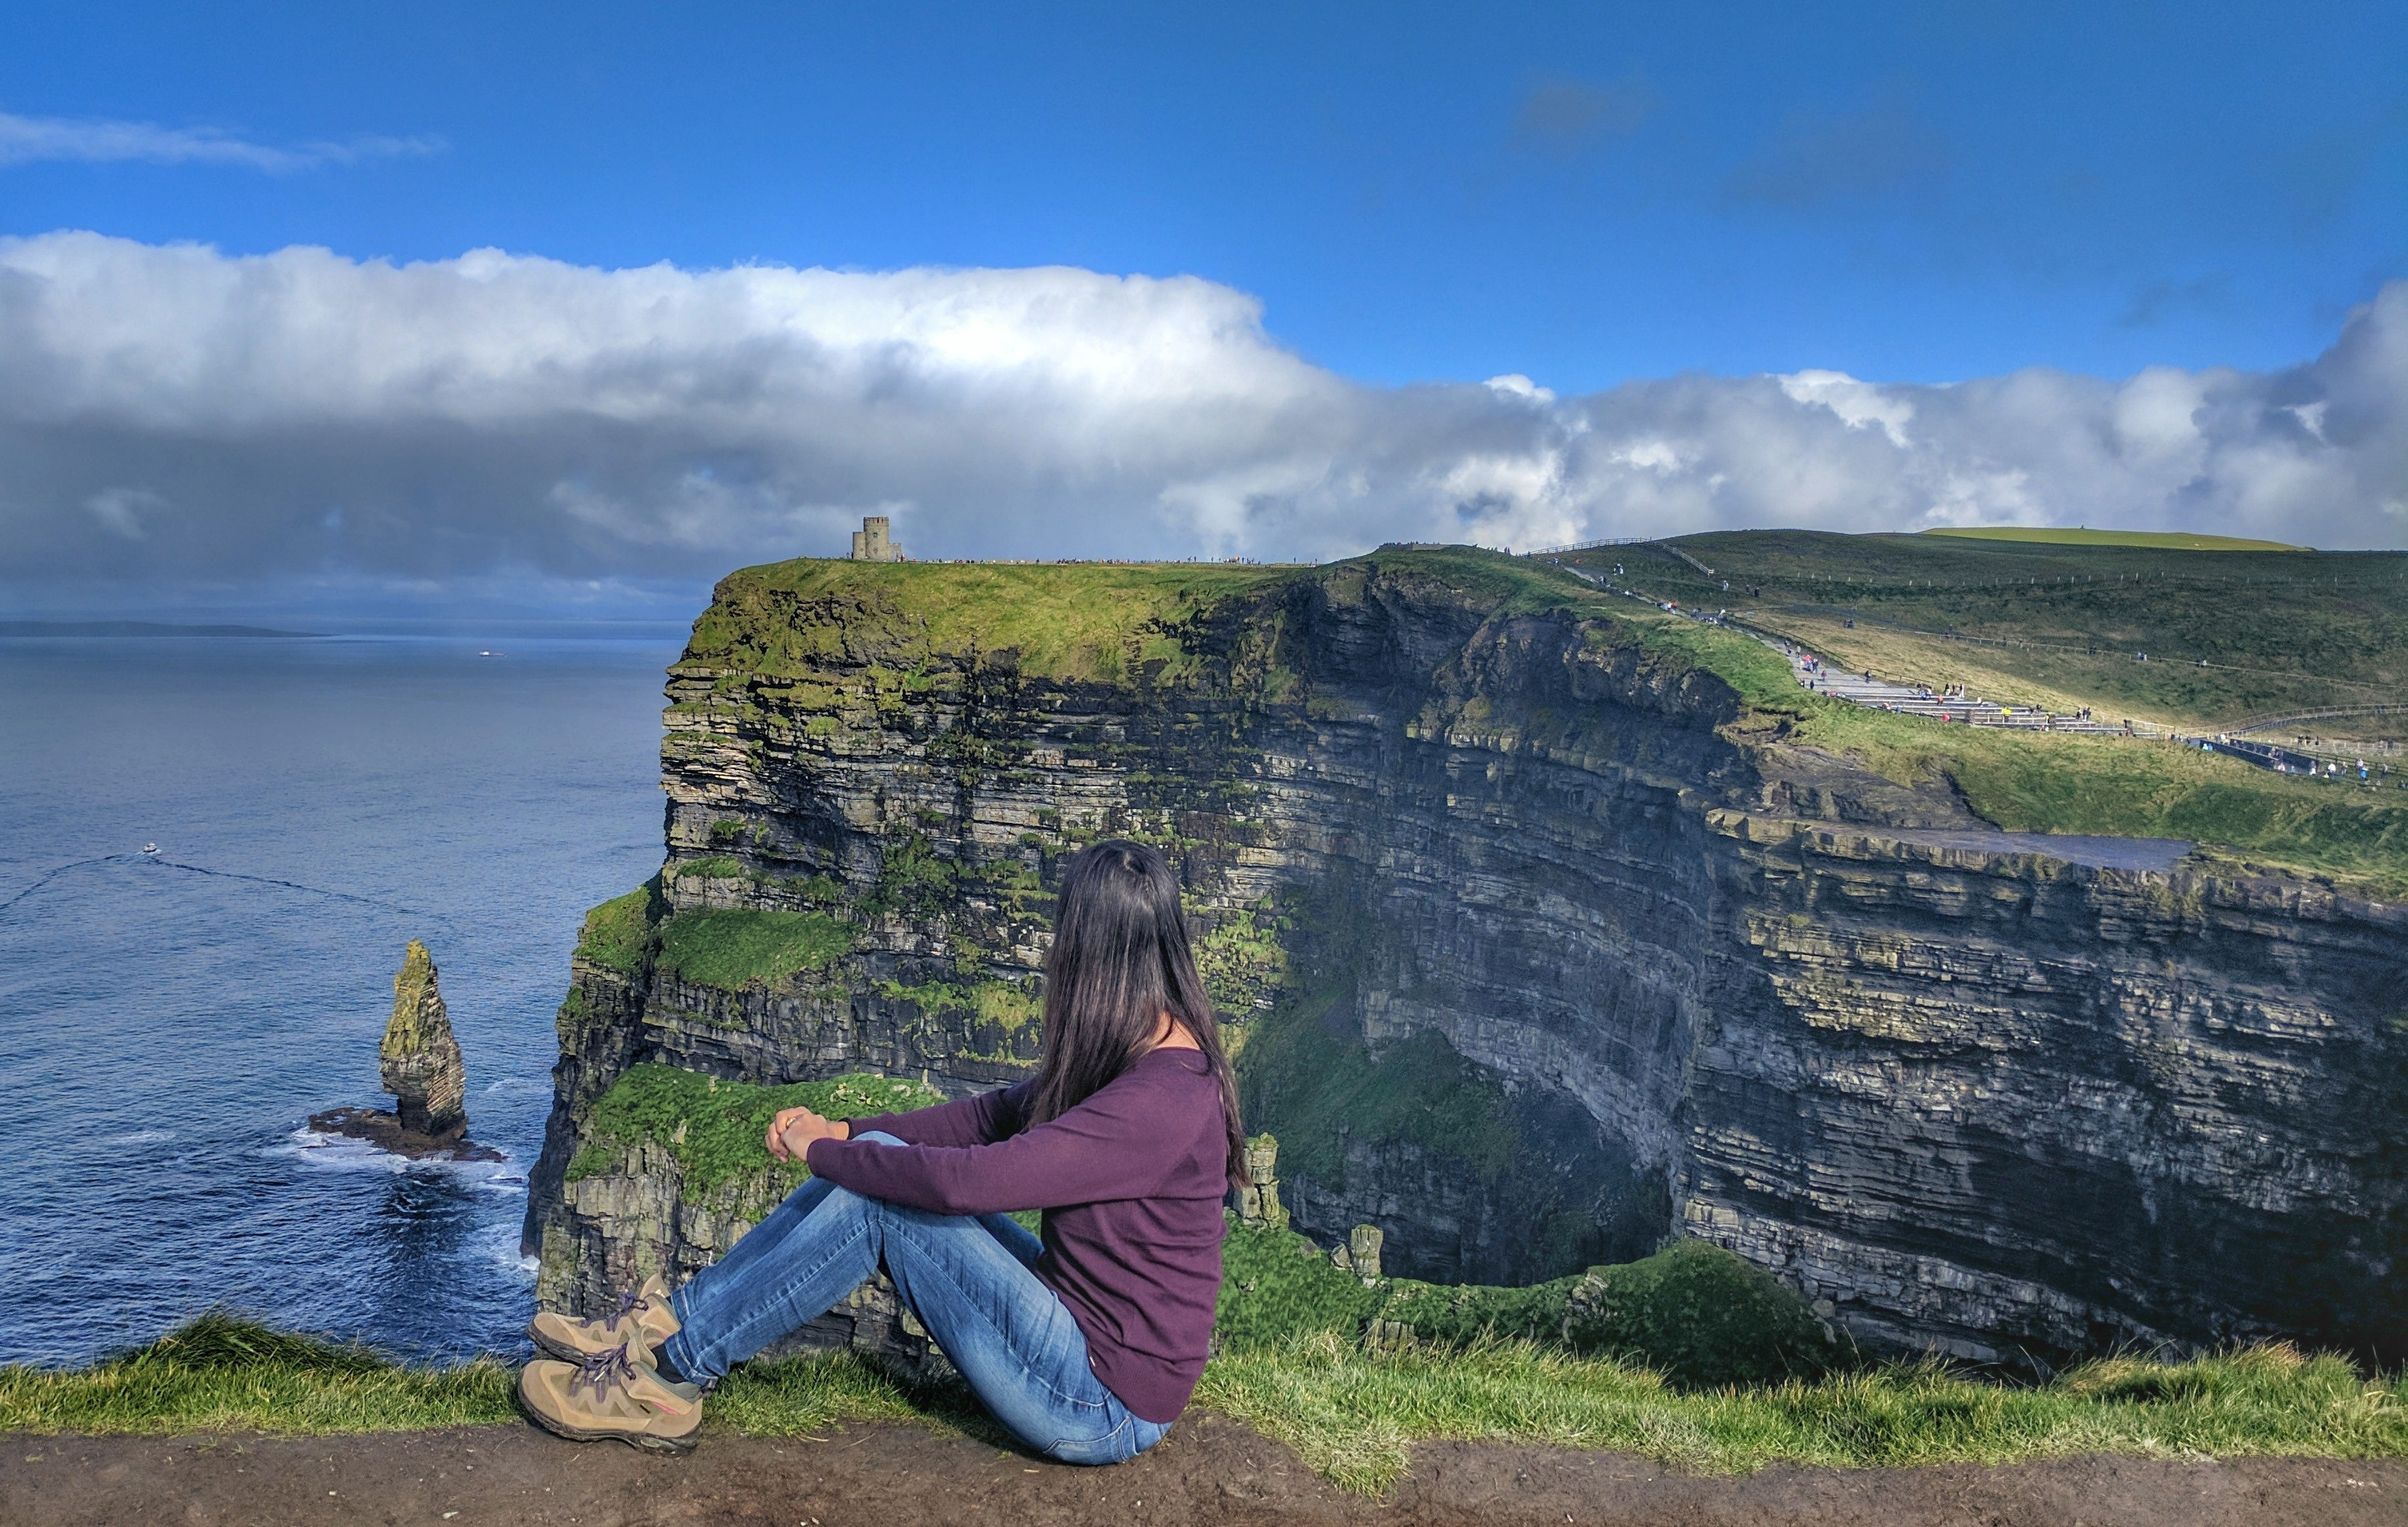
{"x":419,"y":1058}
{"x":870,"y":543}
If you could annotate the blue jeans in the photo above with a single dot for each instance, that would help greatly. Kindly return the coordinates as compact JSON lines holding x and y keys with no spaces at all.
{"x":970,"y":1282}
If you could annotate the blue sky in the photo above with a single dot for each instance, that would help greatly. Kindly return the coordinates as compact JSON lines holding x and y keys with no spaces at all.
{"x":1588,"y":197}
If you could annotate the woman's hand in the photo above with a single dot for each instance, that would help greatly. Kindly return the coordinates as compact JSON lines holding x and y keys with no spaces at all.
{"x":792,"y":1132}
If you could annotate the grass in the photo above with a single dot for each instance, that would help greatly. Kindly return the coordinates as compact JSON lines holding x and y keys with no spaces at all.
{"x":224,"y":1374}
{"x":836,"y":635}
{"x":1353,"y":1412}
{"x":1302,"y":1082}
{"x":739,"y":949}
{"x":1064,"y":622}
{"x":617,"y":933}
{"x":2061,"y":620}
{"x":714,"y":1129}
{"x":1351,"y":1408}
{"x":221,"y":1373}
{"x":912,"y":879}
{"x":2125,"y":787}
{"x":2068,"y":783}
{"x":1242,"y":959}
{"x":1697,"y":1315}
{"x":2160,"y":540}
{"x":1008,"y":1005}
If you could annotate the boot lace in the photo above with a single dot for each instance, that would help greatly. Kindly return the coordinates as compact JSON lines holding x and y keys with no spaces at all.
{"x":628,"y":1304}
{"x":603,"y":1372}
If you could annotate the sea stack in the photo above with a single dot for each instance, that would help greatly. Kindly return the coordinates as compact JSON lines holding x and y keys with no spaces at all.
{"x":419,"y":1058}
{"x":421,"y":1067}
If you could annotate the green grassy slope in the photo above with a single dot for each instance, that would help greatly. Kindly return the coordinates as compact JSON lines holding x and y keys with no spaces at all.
{"x":2065,"y":782}
{"x":2276,"y":630}
{"x":2159,"y":539}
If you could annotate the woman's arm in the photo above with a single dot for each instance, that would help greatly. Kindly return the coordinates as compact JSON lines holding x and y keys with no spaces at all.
{"x":972,"y":1121}
{"x":1123,"y":1142}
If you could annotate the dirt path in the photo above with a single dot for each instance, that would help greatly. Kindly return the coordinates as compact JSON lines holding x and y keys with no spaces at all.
{"x":1206,"y":1472}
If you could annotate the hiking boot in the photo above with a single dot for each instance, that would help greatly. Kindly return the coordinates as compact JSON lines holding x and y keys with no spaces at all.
{"x":610,"y":1395}
{"x":641,"y":1323}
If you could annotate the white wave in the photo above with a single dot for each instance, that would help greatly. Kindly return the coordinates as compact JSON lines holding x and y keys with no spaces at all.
{"x":342,"y":1153}
{"x":140,"y":1136}
{"x":520,"y":1084}
{"x":499,"y":1248}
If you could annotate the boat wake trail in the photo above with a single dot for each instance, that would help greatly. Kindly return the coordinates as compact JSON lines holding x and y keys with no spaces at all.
{"x":51,"y":875}
{"x":47,"y":876}
{"x":294,"y":885}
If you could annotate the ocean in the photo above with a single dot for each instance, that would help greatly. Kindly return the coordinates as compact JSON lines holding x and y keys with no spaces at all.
{"x":168,"y":1022}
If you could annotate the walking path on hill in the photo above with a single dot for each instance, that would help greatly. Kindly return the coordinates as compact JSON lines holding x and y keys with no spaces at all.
{"x":1865,"y":689}
{"x":1209,"y":1470}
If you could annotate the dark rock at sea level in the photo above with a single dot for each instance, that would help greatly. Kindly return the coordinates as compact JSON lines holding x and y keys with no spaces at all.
{"x":421,"y":1067}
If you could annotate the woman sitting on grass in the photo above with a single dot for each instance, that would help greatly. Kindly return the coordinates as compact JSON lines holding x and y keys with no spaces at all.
{"x":1084,"y":1341}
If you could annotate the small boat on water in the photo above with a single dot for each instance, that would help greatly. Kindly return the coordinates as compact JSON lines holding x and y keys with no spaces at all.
{"x":151,"y":848}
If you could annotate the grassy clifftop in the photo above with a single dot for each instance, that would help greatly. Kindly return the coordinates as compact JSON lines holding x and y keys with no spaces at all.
{"x":1353,"y":1409}
{"x":1072,"y":621}
{"x":2286,"y":628}
{"x":2160,"y":540}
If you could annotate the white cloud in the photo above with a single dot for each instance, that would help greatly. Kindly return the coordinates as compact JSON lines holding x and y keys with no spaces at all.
{"x":1513,"y":384}
{"x":116,"y":508}
{"x":25,"y":140}
{"x":305,"y":412}
{"x":1856,"y":403}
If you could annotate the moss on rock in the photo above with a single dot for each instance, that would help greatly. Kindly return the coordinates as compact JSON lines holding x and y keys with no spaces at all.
{"x":743,"y":947}
{"x":617,"y":935}
{"x":1694,"y":1312}
{"x":714,"y":1129}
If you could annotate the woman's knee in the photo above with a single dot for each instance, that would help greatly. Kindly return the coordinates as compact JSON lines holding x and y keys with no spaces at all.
{"x":877,"y":1136}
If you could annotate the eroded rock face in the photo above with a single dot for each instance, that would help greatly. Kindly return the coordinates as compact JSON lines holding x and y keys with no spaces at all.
{"x":1960,"y":1093}
{"x":420,"y":1059}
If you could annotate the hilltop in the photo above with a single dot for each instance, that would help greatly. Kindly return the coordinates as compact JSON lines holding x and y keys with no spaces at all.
{"x":2161,"y":540}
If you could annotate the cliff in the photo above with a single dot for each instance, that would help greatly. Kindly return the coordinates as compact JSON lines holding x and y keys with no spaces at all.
{"x":1544,"y":933}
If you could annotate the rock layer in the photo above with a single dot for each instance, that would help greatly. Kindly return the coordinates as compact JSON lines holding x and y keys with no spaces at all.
{"x":1963,"y":1094}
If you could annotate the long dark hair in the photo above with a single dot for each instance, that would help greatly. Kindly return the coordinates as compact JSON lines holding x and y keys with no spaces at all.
{"x":1120,"y":960}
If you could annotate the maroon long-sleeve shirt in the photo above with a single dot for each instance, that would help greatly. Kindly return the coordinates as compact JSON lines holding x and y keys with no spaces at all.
{"x":1131,"y":1182}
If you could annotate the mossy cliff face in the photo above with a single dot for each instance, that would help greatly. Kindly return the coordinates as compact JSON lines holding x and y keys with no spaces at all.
{"x":1541,"y":942}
